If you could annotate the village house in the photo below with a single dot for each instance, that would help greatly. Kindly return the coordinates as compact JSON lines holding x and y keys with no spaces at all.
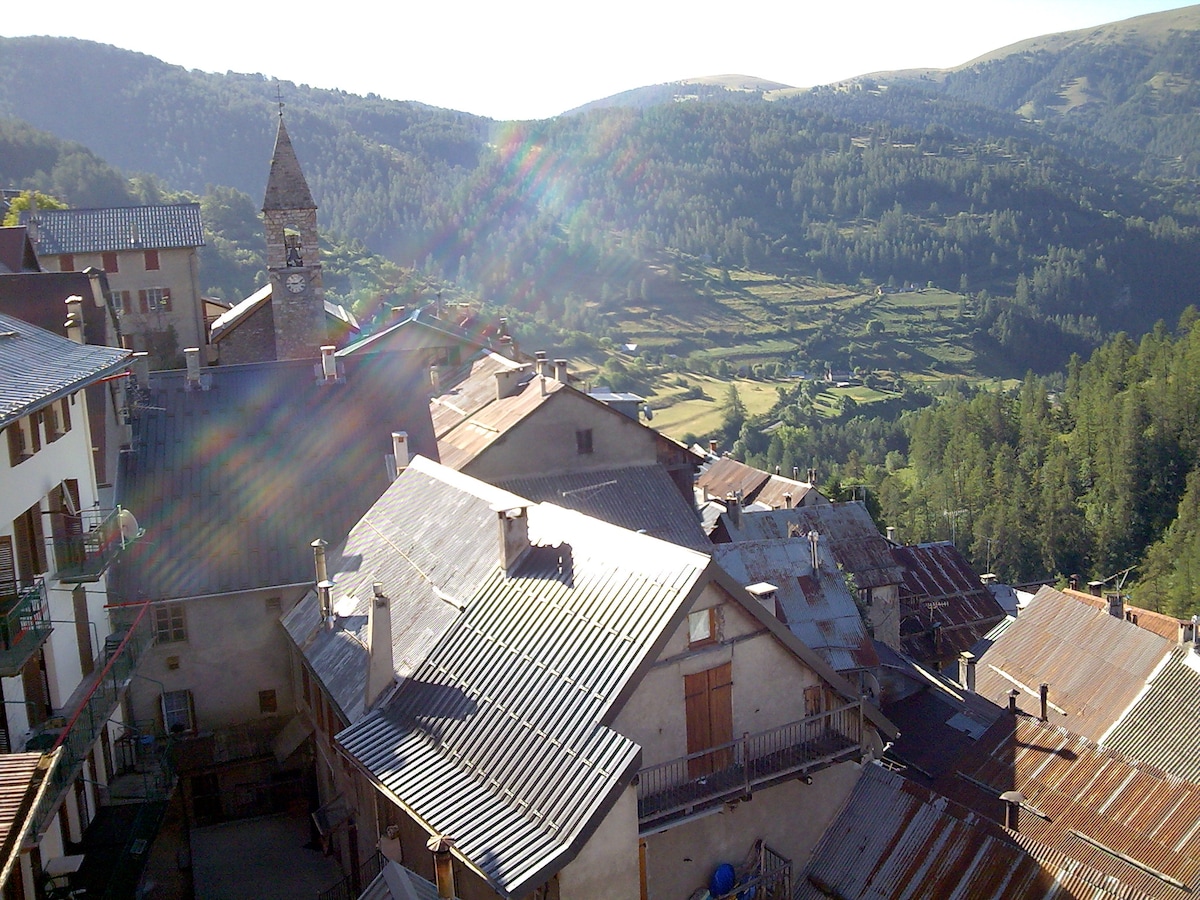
{"x":66,"y":654}
{"x":149,"y":256}
{"x":498,"y":673}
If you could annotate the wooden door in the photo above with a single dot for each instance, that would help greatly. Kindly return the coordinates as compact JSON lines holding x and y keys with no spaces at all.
{"x":708,"y":703}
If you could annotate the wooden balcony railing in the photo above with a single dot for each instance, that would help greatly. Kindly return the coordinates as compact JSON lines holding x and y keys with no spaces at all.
{"x":688,"y":784}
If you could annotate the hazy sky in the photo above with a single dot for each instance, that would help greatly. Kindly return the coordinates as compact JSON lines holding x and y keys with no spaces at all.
{"x":534,"y":58}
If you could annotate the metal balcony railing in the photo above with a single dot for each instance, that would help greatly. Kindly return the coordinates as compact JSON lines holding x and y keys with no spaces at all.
{"x":93,"y":704}
{"x":103,"y":533}
{"x":687,"y":784}
{"x":24,"y":625}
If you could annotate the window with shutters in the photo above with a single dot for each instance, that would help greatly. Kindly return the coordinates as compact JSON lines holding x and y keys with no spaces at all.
{"x":179,"y":712}
{"x":30,"y":544}
{"x":708,"y":706}
{"x":156,"y":299}
{"x":16,"y":444}
{"x":119,"y":300}
{"x":66,"y":526}
{"x":267,"y":703}
{"x":109,"y":263}
{"x":57,"y":419}
{"x":583,"y":441}
{"x":8,"y":568}
{"x":151,"y":260}
{"x":66,"y":263}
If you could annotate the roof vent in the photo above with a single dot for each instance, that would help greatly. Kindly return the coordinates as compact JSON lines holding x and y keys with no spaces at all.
{"x":329,"y":370}
{"x":196,"y":380}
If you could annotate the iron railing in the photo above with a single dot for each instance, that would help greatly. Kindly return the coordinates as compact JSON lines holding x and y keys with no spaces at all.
{"x":350,"y":887}
{"x":684,"y":785}
{"x":85,"y":556}
{"x":24,"y":625}
{"x":764,"y":876}
{"x":86,"y":716}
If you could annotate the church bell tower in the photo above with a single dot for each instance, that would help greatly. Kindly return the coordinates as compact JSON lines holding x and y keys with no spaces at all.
{"x":293,"y":261}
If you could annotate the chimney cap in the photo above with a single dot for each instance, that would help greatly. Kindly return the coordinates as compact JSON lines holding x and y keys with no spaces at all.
{"x":439,"y":843}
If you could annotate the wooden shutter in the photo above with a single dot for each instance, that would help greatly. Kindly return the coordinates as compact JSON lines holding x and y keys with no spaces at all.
{"x":35,"y":433}
{"x":165,"y":305}
{"x":31,"y":544}
{"x":8,"y":567}
{"x":16,"y":443}
{"x":708,"y":707}
{"x":143,"y":301}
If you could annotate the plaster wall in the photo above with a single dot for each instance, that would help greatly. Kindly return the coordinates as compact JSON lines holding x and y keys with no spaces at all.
{"x":607,"y":865}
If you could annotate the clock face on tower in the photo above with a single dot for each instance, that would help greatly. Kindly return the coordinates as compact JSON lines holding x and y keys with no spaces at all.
{"x":295,"y":282}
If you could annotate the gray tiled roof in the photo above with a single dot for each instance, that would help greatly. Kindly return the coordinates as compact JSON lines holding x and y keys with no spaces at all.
{"x":1163,"y":728}
{"x":500,"y":740}
{"x":37,"y":367}
{"x":286,"y":186}
{"x":165,"y":226}
{"x":640,"y":498}
{"x":233,"y":483}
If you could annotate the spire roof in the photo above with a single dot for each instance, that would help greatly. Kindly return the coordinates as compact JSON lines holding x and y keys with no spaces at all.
{"x":286,"y":187}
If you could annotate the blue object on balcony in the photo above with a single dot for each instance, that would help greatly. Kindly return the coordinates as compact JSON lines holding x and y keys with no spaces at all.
{"x":723,"y":879}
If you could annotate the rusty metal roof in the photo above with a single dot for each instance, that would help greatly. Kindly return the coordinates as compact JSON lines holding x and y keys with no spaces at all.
{"x":896,"y":839}
{"x":1161,"y":624}
{"x":817,"y":606}
{"x":1163,"y":728}
{"x":22,"y":779}
{"x":727,"y":476}
{"x":951,"y":607}
{"x":1096,"y":665}
{"x":1130,"y":821}
{"x":501,"y":739}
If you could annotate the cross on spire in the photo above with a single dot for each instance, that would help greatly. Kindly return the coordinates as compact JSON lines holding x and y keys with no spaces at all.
{"x":279,"y":98}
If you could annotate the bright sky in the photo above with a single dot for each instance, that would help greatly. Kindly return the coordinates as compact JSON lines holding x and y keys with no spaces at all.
{"x":536,"y":58}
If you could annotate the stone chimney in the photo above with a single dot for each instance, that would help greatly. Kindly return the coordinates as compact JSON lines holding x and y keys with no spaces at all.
{"x":733,"y":508}
{"x":443,"y":865}
{"x":514,"y":535}
{"x":380,"y":669}
{"x":787,"y":500}
{"x":712,"y":446}
{"x":508,"y":382}
{"x":74,"y":323}
{"x":968,"y":665}
{"x":560,"y":370}
{"x":1116,"y":604}
{"x":542,"y":365}
{"x":191,"y":356}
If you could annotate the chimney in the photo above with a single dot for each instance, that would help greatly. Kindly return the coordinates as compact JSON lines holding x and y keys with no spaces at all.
{"x":968,"y":663}
{"x":506,"y":346}
{"x":712,"y":447}
{"x":400,"y":450}
{"x":812,"y":476}
{"x":443,"y":865}
{"x":1044,"y":695}
{"x":323,"y":583}
{"x":787,"y":500}
{"x":1073,"y":582}
{"x":542,"y":365}
{"x":192,"y":357}
{"x":1012,"y":700}
{"x":74,"y":323}
{"x":435,"y":379}
{"x":814,"y":539}
{"x":891,"y":533}
{"x":560,"y":370}
{"x":508,"y":381}
{"x":135,"y":237}
{"x":733,"y":508}
{"x":1094,"y":588}
{"x":514,"y":535}
{"x":503,"y":326}
{"x":141,"y":369}
{"x":94,"y":275}
{"x":328,"y":362}
{"x":31,"y":221}
{"x":1116,"y":604}
{"x":380,"y":670}
{"x":1012,"y":801}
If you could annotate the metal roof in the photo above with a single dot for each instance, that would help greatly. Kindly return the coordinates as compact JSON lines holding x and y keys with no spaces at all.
{"x":1130,"y":821}
{"x":940,"y":588}
{"x":640,"y":498}
{"x":16,"y":250}
{"x":40,"y":298}
{"x":817,"y":606}
{"x":421,"y":539}
{"x":37,"y":367}
{"x":241,"y":311}
{"x":896,"y":839}
{"x":1163,"y":728}
{"x":232,"y":483}
{"x":22,"y":781}
{"x":165,"y":226}
{"x":396,"y":882}
{"x":1161,"y":624}
{"x":727,"y":476}
{"x":848,"y":528}
{"x":1096,"y":664}
{"x":500,"y":740}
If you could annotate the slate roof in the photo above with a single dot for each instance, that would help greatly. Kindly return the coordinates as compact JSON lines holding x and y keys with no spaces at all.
{"x":233,"y":483}
{"x":421,"y":539}
{"x":1096,"y":665}
{"x":165,"y":226}
{"x":1130,"y":821}
{"x":40,"y":298}
{"x":286,"y":186}
{"x":16,"y":251}
{"x":896,"y":839}
{"x":500,"y":738}
{"x":817,"y":606}
{"x":1163,"y":727}
{"x":640,"y":498}
{"x":847,"y":527}
{"x":38,"y":367}
{"x":940,"y":588}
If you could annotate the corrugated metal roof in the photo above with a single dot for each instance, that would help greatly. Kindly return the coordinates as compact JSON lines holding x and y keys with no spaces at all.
{"x":1161,"y":624}
{"x":22,"y":776}
{"x":499,"y":740}
{"x":37,"y":367}
{"x":895,"y":839}
{"x":940,"y":588}
{"x":233,"y":483}
{"x":727,"y":476}
{"x":1132,"y":822}
{"x":164,"y":226}
{"x":1095,"y":664}
{"x":421,"y":539}
{"x":818,"y":607}
{"x":1163,"y":727}
{"x":856,"y":542}
{"x":640,"y":498}
{"x":398,"y":883}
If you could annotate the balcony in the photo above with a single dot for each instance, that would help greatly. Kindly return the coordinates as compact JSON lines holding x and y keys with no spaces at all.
{"x":102,"y":534}
{"x":689,"y":784}
{"x":77,"y":727}
{"x":24,"y":625}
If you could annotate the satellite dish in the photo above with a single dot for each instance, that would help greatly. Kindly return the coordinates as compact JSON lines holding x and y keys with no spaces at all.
{"x":68,"y":501}
{"x":129,"y":526}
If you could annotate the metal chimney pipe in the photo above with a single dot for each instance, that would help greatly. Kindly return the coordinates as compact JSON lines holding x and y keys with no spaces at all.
{"x":1044,"y":694}
{"x":1012,"y":700}
{"x":443,"y":864}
